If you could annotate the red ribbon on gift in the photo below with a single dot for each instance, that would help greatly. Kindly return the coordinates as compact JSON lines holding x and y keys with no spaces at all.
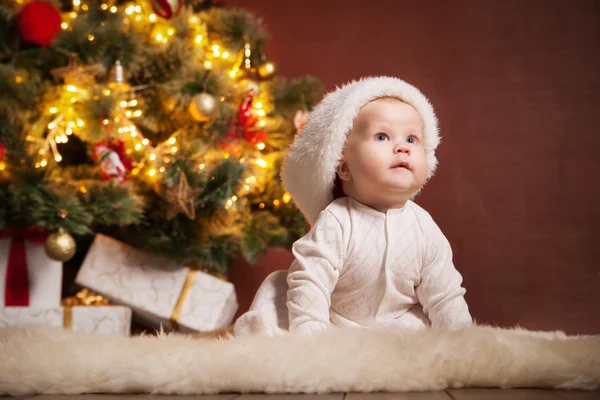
{"x":16,"y":292}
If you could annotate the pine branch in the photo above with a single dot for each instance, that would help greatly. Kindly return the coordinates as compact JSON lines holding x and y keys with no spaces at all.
{"x":234,"y":27}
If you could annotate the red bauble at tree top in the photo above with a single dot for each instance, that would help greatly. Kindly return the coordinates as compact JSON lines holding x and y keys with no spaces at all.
{"x":39,"y":23}
{"x":167,"y":9}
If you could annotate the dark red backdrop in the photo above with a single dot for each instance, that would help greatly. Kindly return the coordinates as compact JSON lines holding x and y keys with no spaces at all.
{"x":516,"y":86}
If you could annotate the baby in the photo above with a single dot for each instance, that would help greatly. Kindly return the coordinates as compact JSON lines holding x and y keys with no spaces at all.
{"x":373,"y":258}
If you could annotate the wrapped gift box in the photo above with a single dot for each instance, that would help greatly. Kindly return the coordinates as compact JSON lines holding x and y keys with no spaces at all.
{"x":113,"y":320}
{"x":160,"y":291}
{"x":28,"y":277}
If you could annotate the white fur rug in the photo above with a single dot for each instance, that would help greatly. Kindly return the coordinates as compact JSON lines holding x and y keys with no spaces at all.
{"x":46,"y":361}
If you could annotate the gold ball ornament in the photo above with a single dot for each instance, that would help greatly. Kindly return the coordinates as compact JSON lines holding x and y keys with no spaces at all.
{"x":266,"y":70}
{"x":60,"y":246}
{"x":203,"y":107}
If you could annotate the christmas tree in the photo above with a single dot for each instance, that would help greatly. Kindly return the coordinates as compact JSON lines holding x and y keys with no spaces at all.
{"x":160,"y":123}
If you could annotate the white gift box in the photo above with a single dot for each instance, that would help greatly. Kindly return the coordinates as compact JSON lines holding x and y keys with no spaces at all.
{"x":112,"y":320}
{"x":45,"y":275}
{"x":159,"y":290}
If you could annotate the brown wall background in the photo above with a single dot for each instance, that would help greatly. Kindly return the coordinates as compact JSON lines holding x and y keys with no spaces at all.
{"x":516,"y":86}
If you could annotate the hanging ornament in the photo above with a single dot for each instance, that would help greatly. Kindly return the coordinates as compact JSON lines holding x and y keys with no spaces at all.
{"x":60,"y":246}
{"x":245,"y":118}
{"x":113,"y":160}
{"x":2,"y":152}
{"x":202,"y":107}
{"x":255,"y":137}
{"x":247,"y":65}
{"x":266,"y":70}
{"x":39,"y":23}
{"x":167,"y":9}
{"x":118,"y":79}
{"x":181,"y":198}
{"x":243,"y":127}
{"x":300,"y":120}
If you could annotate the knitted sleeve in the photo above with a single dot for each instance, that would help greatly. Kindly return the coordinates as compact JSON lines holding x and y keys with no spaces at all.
{"x":314,"y":274}
{"x":440,"y":291}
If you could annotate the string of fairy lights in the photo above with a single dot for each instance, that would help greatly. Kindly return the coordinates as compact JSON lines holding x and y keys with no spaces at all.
{"x":80,"y":88}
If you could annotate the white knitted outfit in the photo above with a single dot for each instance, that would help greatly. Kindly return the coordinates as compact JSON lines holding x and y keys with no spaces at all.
{"x":361,"y":267}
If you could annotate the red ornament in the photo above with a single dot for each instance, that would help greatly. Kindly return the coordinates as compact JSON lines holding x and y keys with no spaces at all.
{"x":114,"y":162}
{"x":167,"y":9}
{"x":245,"y":119}
{"x":255,"y":137}
{"x":243,"y":127}
{"x":39,"y":23}
{"x":2,"y":152}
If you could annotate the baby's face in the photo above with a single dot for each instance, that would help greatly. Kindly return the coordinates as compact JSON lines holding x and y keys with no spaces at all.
{"x":384,"y":160}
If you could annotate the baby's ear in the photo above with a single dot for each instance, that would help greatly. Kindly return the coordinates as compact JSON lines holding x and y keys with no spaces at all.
{"x":343,"y":171}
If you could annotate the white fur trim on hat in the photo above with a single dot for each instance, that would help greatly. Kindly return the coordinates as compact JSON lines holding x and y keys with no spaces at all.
{"x":309,"y":167}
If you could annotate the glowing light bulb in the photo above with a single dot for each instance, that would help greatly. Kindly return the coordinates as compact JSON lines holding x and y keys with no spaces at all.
{"x":152,"y":17}
{"x":58,"y":158}
{"x":207,"y":64}
{"x":138,"y":146}
{"x":198,"y":39}
{"x":53,"y":110}
{"x":261,"y":162}
{"x":286,"y":197}
{"x":260,"y":146}
{"x":172,"y":140}
{"x":152,"y":156}
{"x":90,"y":37}
{"x":113,"y":9}
{"x":152,"y":172}
{"x":145,"y":142}
{"x":64,"y":26}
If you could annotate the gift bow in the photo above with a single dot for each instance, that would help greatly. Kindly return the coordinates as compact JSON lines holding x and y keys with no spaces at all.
{"x":16,"y":292}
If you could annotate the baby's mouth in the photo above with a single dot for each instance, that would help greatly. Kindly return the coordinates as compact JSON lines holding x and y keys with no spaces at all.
{"x":401,"y":165}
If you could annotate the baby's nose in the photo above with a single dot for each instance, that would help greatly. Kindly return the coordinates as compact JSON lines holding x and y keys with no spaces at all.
{"x":401,"y":148}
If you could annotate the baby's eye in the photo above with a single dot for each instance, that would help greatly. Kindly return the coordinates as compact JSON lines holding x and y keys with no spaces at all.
{"x":382,"y":137}
{"x":411,"y":140}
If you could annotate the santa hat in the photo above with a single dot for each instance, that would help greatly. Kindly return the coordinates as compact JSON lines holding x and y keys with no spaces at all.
{"x":309,"y":167}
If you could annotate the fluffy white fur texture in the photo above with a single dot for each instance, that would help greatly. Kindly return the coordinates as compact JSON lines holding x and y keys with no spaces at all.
{"x":309,"y":167}
{"x":46,"y":361}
